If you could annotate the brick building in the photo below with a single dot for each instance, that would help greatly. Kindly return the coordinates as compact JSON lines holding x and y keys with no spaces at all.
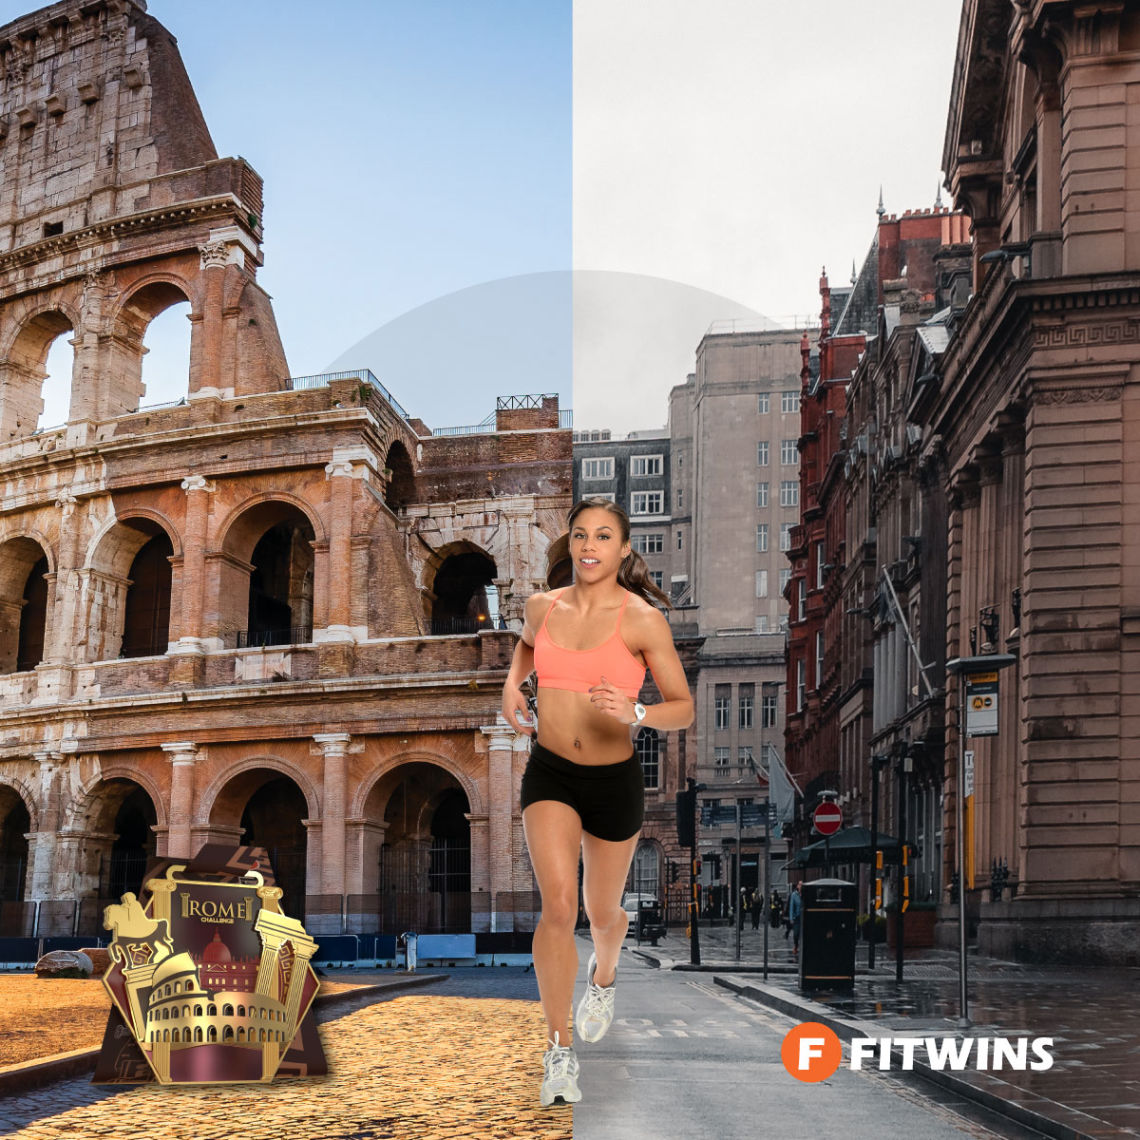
{"x":275,"y":612}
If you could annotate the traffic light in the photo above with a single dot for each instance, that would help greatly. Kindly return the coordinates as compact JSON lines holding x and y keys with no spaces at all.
{"x":686,"y":822}
{"x":674,"y":871}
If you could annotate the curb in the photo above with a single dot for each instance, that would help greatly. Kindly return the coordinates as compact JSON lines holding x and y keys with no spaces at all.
{"x":16,"y":1079}
{"x":1050,"y":1119}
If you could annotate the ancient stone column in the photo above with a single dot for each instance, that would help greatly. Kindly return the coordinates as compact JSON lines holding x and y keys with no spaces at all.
{"x":215,"y":255}
{"x":198,"y":491}
{"x":500,"y":805}
{"x":334,"y":763}
{"x":183,"y":755}
{"x":339,"y":578}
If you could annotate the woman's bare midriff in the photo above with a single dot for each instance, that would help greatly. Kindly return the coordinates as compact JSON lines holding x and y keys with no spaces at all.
{"x":569,"y":725}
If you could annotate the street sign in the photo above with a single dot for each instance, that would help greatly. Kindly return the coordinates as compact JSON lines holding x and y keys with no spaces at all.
{"x":827,"y":818}
{"x":969,"y":773}
{"x":981,"y":704}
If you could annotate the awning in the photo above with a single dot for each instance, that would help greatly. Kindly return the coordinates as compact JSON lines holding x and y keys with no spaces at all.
{"x":848,"y":845}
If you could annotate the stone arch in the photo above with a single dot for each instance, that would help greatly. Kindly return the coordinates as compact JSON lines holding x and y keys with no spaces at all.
{"x":116,"y":816}
{"x":23,"y":367}
{"x":131,"y":585}
{"x":383,"y":780}
{"x":459,"y":589}
{"x":423,"y":864}
{"x":267,"y":803}
{"x":25,"y":563}
{"x":266,"y":577}
{"x":137,"y":308}
{"x":401,"y":486}
{"x":17,"y":815}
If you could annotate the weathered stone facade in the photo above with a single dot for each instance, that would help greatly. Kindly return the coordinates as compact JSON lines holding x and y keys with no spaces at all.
{"x":277,"y":612}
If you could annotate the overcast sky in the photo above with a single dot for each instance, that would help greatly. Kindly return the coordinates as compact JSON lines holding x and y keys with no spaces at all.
{"x":426,"y":167}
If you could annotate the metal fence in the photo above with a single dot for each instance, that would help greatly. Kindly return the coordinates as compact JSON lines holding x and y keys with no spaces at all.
{"x":259,"y":638}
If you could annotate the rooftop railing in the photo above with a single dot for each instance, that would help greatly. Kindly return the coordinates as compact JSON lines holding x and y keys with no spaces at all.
{"x":364,"y":375}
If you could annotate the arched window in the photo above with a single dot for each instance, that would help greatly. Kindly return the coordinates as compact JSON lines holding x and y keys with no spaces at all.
{"x":197,"y":1033}
{"x":648,"y":747}
{"x":212,"y":1033}
{"x":646,"y":874}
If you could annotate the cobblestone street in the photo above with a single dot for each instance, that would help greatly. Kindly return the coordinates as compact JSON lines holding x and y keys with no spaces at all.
{"x":432,"y":1066}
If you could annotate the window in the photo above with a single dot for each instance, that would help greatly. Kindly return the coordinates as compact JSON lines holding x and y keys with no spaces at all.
{"x":744,"y":758}
{"x":598,"y":468}
{"x":789,"y":452}
{"x":678,"y":540}
{"x":801,"y":590}
{"x":721,"y":701}
{"x":745,"y":702}
{"x":646,"y":870}
{"x":762,"y":407}
{"x":645,"y":503}
{"x":648,"y":747}
{"x":720,"y":758}
{"x":819,"y":659}
{"x":789,"y":402}
{"x":761,"y":624}
{"x":647,"y":543}
{"x":655,"y":576}
{"x":820,"y":560}
{"x":762,"y":454}
{"x":761,"y":538}
{"x":761,"y":583}
{"x":603,"y":495}
{"x":642,"y":465}
{"x":785,"y":578}
{"x":761,"y":494}
{"x":789,"y":493}
{"x":786,"y":536}
{"x":680,"y":497}
{"x":768,"y":710}
{"x":801,"y":684}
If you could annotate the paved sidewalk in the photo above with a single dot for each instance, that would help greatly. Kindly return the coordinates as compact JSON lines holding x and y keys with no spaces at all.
{"x":1093,"y":1016}
{"x":443,"y":1065}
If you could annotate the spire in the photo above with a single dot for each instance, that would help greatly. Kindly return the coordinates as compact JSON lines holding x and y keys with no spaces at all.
{"x":938,"y":198}
{"x":881,"y":208}
{"x":854,"y":275}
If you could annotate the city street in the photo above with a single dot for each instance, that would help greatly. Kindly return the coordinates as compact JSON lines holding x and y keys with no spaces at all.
{"x":684,"y":1059}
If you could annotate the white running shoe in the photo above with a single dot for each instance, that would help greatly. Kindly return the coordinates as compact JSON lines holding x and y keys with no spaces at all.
{"x":560,"y":1075}
{"x":596,"y":1009}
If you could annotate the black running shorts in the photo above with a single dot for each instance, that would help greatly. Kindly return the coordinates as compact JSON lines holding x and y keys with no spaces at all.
{"x":609,"y":798}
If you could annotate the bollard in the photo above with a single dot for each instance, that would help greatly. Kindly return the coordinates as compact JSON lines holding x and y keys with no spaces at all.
{"x":410,"y":938}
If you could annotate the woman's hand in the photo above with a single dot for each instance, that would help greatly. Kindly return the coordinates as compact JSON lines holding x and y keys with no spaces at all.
{"x":605,"y":698}
{"x":516,"y":712}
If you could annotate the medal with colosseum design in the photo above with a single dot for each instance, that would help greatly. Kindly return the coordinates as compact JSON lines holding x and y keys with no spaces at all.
{"x":211,"y":978}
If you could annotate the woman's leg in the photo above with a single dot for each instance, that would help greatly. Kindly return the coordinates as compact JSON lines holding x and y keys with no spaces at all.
{"x":605,"y":865}
{"x":554,"y":838}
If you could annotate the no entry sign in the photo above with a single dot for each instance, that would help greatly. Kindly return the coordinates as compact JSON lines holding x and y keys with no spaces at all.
{"x":828,"y":818}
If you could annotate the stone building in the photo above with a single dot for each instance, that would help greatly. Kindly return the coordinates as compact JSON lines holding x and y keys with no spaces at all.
{"x":734,"y":426}
{"x":1034,"y":426}
{"x":276,"y":612}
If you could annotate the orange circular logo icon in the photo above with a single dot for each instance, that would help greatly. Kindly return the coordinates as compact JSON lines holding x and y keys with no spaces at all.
{"x":811,"y":1052}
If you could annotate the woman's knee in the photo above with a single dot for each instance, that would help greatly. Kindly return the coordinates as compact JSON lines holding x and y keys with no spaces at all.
{"x":605,"y":918}
{"x":560,"y":909}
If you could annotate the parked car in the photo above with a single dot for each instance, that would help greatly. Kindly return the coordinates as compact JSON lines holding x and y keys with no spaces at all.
{"x":645,"y":918}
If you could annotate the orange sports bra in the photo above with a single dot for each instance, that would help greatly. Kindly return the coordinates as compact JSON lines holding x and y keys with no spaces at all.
{"x":579,"y":670}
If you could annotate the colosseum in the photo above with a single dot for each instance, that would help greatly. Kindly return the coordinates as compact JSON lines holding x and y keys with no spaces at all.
{"x":276,"y":611}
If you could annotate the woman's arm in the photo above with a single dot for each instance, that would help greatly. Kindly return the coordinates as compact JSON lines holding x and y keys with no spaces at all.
{"x":675,"y":710}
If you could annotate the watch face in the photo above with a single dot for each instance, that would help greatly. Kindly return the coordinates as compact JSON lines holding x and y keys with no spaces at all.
{"x":639,"y":712}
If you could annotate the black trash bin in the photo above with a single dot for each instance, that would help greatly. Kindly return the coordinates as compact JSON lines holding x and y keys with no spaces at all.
{"x":827,"y":935}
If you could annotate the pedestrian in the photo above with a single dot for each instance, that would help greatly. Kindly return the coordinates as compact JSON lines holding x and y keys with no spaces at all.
{"x":795,"y":917}
{"x":774,"y":908}
{"x":583,"y":792}
{"x":757,"y":907}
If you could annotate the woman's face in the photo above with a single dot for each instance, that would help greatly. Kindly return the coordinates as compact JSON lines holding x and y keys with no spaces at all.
{"x":596,"y":545}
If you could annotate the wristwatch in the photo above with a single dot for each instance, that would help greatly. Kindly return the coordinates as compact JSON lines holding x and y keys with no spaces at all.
{"x":638,"y":712}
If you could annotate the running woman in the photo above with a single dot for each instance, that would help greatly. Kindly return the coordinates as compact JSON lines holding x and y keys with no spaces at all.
{"x":583,"y":791}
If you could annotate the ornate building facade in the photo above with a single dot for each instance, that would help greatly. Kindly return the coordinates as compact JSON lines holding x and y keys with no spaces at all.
{"x":1035,"y":421}
{"x":276,"y":612}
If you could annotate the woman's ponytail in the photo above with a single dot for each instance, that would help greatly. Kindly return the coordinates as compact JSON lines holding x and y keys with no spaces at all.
{"x":633,"y":574}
